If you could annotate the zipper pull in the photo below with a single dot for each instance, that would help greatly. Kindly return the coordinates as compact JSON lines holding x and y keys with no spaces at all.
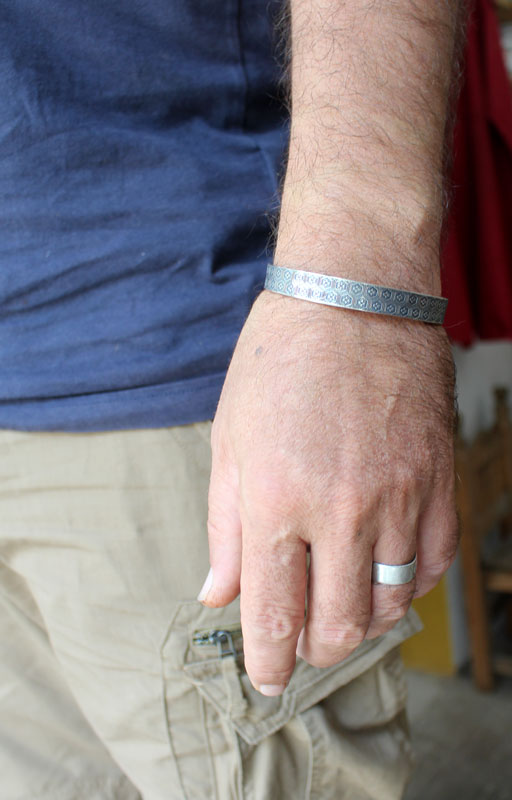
{"x":223,"y":640}
{"x":228,"y":674}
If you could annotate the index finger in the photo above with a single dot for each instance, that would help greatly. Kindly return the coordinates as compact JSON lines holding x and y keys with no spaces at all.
{"x":272,"y":601}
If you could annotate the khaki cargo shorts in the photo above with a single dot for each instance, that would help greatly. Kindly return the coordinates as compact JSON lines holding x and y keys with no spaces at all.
{"x":116,"y":684}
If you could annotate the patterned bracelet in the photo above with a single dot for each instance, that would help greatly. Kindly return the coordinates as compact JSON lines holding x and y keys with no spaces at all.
{"x":356,"y":295}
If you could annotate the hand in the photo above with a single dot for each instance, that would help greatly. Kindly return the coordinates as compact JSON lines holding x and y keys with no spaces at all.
{"x":334,"y":433}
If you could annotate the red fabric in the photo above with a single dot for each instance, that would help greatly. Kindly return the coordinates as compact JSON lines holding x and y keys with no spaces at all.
{"x":477,"y":256}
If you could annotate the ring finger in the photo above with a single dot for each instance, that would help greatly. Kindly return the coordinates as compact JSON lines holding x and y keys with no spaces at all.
{"x":391,"y":602}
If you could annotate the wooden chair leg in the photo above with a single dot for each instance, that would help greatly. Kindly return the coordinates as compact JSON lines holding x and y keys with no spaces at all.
{"x":509,"y":617}
{"x":478,"y":622}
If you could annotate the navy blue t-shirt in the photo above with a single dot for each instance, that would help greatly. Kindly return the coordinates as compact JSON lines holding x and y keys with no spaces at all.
{"x":140,"y":146}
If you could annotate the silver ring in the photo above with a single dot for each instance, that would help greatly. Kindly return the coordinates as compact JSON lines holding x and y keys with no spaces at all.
{"x":393,"y":574}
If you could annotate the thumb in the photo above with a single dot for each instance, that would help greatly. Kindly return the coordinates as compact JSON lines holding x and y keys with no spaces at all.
{"x":222,"y":584}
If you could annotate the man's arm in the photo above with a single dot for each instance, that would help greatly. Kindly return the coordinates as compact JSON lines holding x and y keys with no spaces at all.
{"x":334,"y":429}
{"x":371,"y":92}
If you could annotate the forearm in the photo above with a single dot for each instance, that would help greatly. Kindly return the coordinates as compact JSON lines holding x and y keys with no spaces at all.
{"x":337,"y":437}
{"x":371,"y":87}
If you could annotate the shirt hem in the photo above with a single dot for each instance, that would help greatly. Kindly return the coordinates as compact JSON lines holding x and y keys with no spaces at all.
{"x":162,"y":406}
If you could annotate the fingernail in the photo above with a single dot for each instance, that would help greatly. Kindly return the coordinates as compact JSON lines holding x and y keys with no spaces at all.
{"x":300,"y":645}
{"x":207,"y":585}
{"x":272,"y":689}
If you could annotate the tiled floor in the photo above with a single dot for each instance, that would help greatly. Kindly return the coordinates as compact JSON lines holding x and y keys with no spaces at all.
{"x":462,"y":739}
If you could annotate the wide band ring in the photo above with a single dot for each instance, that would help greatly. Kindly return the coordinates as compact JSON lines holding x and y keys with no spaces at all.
{"x":393,"y":574}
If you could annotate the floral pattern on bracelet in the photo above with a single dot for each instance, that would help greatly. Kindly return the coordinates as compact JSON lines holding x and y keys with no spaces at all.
{"x":345,"y":293}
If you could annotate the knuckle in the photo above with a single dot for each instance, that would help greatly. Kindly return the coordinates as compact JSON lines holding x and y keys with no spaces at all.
{"x":340,"y":637}
{"x":392,"y":611}
{"x":400,"y":610}
{"x":275,"y":626}
{"x":436,"y":569}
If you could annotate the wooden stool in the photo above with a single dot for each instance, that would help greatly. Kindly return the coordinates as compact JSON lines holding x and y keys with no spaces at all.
{"x":484,"y":500}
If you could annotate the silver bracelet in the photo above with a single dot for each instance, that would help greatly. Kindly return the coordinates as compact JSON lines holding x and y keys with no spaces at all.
{"x":344,"y":293}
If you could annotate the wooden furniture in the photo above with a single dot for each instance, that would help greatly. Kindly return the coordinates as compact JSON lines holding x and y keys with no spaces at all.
{"x":484,"y":499}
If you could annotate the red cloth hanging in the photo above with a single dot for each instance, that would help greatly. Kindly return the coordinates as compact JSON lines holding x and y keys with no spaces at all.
{"x":477,"y":254}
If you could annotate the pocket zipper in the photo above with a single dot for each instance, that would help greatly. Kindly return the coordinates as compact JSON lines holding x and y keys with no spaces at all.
{"x":223,"y":639}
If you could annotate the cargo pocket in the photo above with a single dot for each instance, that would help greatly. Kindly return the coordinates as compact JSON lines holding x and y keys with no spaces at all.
{"x":359,"y":737}
{"x":210,"y":701}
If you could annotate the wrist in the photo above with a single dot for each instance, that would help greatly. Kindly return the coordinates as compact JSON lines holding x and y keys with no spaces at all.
{"x":288,"y":318}
{"x":383,"y":221}
{"x":358,"y":249}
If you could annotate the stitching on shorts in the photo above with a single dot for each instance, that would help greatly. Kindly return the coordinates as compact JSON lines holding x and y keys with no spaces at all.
{"x":165,"y":707}
{"x":208,"y":747}
{"x":317,"y":763}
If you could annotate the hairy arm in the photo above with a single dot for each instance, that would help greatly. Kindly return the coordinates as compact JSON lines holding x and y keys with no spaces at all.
{"x":334,"y":429}
{"x":371,"y":97}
